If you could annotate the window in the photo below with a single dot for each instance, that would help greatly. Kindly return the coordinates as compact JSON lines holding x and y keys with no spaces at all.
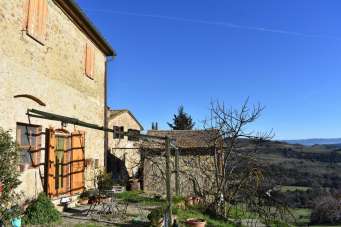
{"x":29,"y":144}
{"x":133,"y":135}
{"x":35,"y":19}
{"x":89,"y":60}
{"x":118,"y":132}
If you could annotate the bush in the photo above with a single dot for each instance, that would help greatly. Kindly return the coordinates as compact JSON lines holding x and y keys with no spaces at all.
{"x":9,"y":157}
{"x":41,"y":211}
{"x":327,"y":210}
{"x":105,"y":181}
{"x":88,"y":194}
{"x":156,"y":214}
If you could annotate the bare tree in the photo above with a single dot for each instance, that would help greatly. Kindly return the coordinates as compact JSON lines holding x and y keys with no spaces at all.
{"x":233,"y":177}
{"x":229,"y":177}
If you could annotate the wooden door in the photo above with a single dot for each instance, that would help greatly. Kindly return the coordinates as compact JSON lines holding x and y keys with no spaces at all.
{"x":77,"y":162}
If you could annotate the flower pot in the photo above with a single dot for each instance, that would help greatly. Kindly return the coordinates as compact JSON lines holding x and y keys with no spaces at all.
{"x":16,"y":222}
{"x":195,"y":222}
{"x":189,"y":201}
{"x":1,"y":188}
{"x":83,"y":201}
{"x":196,"y":200}
{"x":157,"y":222}
{"x":134,"y":185}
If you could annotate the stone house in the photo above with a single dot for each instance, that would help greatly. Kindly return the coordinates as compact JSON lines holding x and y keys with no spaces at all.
{"x":195,"y":147}
{"x":53,"y":59}
{"x":124,"y":161}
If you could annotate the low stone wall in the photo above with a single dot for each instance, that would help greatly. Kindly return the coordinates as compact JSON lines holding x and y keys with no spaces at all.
{"x":195,"y":169}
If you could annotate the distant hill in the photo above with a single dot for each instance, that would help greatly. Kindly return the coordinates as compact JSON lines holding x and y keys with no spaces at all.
{"x":300,"y":165}
{"x":311,"y":142}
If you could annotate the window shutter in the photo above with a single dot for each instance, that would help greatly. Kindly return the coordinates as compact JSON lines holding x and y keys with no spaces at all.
{"x":25,"y":14}
{"x":37,"y":19}
{"x":89,"y":60}
{"x":32,"y":18}
{"x":77,"y":162}
{"x":51,"y":161}
{"x":43,"y":13}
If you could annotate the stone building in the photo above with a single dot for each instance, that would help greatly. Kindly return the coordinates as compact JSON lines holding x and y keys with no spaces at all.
{"x":196,"y":157}
{"x":53,"y":59}
{"x":124,"y":161}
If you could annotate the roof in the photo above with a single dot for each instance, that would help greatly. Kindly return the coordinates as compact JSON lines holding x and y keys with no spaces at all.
{"x":76,"y":14}
{"x":115,"y":113}
{"x":189,"y":139}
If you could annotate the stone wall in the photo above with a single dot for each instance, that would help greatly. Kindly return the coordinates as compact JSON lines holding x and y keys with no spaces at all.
{"x":194,"y":168}
{"x":55,"y":74}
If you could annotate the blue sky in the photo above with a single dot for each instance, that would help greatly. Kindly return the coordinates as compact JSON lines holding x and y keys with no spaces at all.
{"x":283,"y":54}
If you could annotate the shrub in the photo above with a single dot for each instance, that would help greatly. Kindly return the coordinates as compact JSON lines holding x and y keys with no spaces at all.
{"x":156,"y":214}
{"x":105,"y":181}
{"x":9,"y":157}
{"x":88,"y":194}
{"x":41,"y":211}
{"x":327,"y":210}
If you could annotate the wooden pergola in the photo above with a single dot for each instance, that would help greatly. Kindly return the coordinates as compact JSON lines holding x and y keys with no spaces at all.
{"x":132,"y":133}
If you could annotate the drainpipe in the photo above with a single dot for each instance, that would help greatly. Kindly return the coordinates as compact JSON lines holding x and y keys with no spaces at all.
{"x":106,"y":143}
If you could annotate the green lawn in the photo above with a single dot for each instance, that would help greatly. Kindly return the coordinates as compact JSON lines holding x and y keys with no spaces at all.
{"x":182,"y":215}
{"x":139,"y":197}
{"x":302,"y":216}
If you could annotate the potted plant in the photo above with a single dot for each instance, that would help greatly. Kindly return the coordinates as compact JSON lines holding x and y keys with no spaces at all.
{"x":195,"y":222}
{"x":156,"y":217}
{"x":84,"y":198}
{"x":134,"y":184}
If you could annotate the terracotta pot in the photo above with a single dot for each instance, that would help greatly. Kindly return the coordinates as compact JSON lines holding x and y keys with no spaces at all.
{"x":196,"y":200}
{"x":83,"y":201}
{"x":189,"y":201}
{"x":134,"y":185}
{"x":157,"y":223}
{"x":1,"y":187}
{"x":194,"y":222}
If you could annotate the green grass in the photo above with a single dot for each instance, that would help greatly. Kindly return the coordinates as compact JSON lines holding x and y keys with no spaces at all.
{"x":302,"y":216}
{"x":182,"y":215}
{"x":88,"y":225}
{"x":139,"y":197}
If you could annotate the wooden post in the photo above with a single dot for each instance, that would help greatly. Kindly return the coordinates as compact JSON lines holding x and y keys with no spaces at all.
{"x":168,"y":183}
{"x":177,"y":175}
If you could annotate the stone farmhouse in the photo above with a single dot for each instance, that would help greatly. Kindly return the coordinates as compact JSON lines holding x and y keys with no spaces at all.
{"x":124,"y":158}
{"x":54,"y":60}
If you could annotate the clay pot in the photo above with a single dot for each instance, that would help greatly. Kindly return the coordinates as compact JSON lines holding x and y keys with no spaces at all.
{"x":134,"y":185}
{"x":1,"y":188}
{"x":189,"y":201}
{"x":83,"y":201}
{"x":194,"y":222}
{"x":196,"y":200}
